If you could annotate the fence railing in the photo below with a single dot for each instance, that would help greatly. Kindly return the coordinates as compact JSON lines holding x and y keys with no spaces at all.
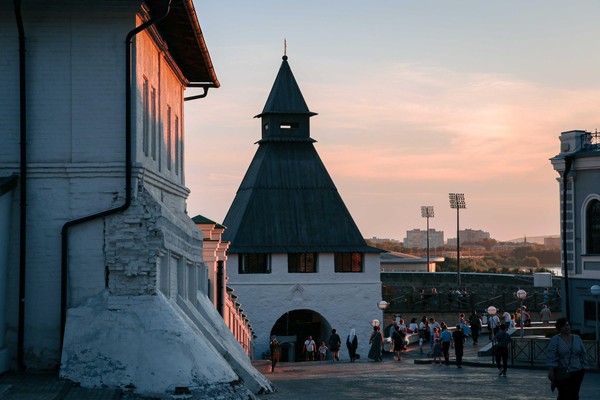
{"x":442,"y":302}
{"x":533,"y":351}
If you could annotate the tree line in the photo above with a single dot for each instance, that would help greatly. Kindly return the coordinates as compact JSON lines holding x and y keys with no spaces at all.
{"x":518,"y":260}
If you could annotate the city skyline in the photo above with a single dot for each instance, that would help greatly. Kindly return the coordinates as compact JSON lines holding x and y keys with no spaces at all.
{"x":415,"y":100}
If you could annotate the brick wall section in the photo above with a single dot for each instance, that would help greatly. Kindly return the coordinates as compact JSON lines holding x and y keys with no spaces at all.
{"x":137,"y":239}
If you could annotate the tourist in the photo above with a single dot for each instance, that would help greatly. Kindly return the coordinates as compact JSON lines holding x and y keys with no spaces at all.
{"x":275,"y":352}
{"x":397,"y":335}
{"x":376,"y":342}
{"x":334,"y":345}
{"x":493,"y":325}
{"x":527,"y":316}
{"x":412,"y":327}
{"x":309,"y":349}
{"x":437,"y":353}
{"x":352,"y":344}
{"x":424,"y":332}
{"x":446,"y":339}
{"x":506,"y":319}
{"x":545,"y":315}
{"x":475,"y":322}
{"x":433,"y":325}
{"x":458,"y":339}
{"x":546,"y":294}
{"x":323,"y":351}
{"x":402,"y":326}
{"x":463,"y":324}
{"x":503,"y":340}
{"x":567,"y":361}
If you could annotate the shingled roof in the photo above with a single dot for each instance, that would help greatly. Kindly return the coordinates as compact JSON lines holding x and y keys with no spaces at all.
{"x":287,"y":202}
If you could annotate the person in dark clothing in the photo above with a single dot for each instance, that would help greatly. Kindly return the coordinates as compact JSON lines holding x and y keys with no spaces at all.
{"x":275,"y":352}
{"x":503,"y":340}
{"x":475,"y":322}
{"x":334,"y":345}
{"x":458,"y":339}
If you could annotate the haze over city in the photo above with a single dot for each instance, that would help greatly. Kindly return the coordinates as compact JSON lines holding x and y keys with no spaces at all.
{"x":415,"y":100}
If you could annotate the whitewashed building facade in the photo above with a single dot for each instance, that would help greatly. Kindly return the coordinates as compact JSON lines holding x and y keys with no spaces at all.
{"x":102,"y":268}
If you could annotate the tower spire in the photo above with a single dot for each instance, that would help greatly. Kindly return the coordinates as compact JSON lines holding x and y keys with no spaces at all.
{"x":285,"y":57}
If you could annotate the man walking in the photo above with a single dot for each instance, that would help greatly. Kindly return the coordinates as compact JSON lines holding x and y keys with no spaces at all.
{"x":309,"y":349}
{"x":545,"y":315}
{"x":459,"y":338}
{"x":446,"y":338}
{"x":503,"y":340}
{"x":475,"y":323}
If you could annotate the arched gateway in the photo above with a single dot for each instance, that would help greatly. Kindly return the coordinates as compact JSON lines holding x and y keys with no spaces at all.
{"x":292,"y":329}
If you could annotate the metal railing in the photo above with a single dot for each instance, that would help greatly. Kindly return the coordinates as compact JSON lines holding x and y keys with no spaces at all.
{"x":590,"y":140}
{"x":416,"y":302}
{"x":533,"y":351}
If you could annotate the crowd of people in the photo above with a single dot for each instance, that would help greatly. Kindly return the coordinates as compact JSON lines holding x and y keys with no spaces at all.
{"x":433,"y":337}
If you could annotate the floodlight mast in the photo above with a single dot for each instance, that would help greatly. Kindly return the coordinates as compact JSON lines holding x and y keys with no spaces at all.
{"x":427,"y":212}
{"x":457,"y":201}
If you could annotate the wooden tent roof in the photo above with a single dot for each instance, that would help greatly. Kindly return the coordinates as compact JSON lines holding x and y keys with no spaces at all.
{"x":287,"y":202}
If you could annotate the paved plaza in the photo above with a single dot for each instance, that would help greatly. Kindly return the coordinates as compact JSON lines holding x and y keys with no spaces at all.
{"x":414,"y":377}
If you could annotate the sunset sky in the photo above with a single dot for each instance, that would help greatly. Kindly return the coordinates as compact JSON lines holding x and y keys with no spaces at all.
{"x":416,"y":99}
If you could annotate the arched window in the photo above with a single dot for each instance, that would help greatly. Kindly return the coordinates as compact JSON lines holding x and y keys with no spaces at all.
{"x":592,"y":216}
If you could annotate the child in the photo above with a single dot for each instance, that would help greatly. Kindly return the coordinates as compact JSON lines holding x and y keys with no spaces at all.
{"x":322,"y":352}
{"x":437,"y":352}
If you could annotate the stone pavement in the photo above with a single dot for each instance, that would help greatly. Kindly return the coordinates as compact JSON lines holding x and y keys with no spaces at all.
{"x":414,"y":377}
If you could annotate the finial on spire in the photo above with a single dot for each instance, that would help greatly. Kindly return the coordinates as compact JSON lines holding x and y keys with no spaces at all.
{"x":284,"y":58}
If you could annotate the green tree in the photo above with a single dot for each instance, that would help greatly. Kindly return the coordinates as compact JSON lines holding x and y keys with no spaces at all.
{"x":531,"y":262}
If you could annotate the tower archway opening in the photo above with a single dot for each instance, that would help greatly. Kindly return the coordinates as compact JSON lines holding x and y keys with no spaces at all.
{"x":294,"y":327}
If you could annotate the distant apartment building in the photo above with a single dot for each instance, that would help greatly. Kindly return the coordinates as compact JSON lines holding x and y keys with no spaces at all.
{"x":382,"y":240}
{"x":469,"y":236}
{"x":418,"y":238}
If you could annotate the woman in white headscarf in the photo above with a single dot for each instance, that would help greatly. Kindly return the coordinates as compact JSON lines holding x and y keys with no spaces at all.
{"x":352,"y":344}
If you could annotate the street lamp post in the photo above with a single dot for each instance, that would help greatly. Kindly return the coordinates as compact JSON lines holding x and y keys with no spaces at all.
{"x":491,"y":310}
{"x":457,"y":201}
{"x":427,"y":212}
{"x":595,"y":291}
{"x":522,"y":295}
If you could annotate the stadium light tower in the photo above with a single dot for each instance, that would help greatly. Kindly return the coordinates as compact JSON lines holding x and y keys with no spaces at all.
{"x":457,"y":200}
{"x":427,"y":212}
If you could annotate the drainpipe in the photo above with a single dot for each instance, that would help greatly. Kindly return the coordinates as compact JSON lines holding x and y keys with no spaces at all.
{"x":220,"y":288}
{"x":568,"y":164}
{"x":128,"y":168}
{"x":200,"y":96}
{"x":23,"y":189}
